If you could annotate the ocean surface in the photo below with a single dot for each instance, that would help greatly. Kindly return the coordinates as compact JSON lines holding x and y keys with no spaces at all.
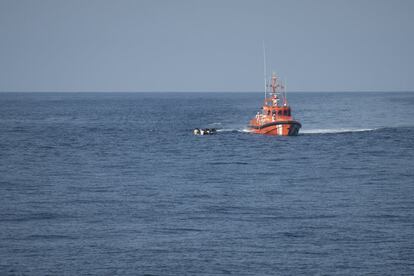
{"x":116,"y":184}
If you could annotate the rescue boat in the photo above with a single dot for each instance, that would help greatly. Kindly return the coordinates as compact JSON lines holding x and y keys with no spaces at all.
{"x":275,"y":117}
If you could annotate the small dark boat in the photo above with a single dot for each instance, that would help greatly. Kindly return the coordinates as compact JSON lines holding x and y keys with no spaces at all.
{"x":204,"y":131}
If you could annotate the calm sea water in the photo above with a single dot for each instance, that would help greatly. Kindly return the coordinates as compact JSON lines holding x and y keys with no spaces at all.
{"x":116,"y":184}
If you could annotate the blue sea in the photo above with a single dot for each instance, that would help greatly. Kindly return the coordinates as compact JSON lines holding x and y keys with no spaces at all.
{"x":116,"y":184}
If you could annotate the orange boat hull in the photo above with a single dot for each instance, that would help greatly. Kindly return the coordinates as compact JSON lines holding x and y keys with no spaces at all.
{"x":280,"y":128}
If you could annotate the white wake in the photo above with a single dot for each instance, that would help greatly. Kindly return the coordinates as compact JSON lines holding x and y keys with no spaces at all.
{"x":244,"y":130}
{"x":335,"y":130}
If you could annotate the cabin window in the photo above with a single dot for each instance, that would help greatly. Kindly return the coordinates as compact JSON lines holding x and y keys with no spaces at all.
{"x":285,"y":112}
{"x":288,"y":112}
{"x":280,"y":112}
{"x":274,"y":112}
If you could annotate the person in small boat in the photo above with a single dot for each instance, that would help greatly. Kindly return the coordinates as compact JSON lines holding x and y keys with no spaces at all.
{"x":204,"y":131}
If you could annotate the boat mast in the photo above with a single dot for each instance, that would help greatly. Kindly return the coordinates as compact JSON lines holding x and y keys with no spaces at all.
{"x":264,"y":69}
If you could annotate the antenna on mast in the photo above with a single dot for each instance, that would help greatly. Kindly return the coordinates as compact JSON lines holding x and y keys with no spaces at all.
{"x":284,"y":92}
{"x":264,"y":69}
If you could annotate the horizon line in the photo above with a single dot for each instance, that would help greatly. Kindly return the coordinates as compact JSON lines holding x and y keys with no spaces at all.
{"x":199,"y":91}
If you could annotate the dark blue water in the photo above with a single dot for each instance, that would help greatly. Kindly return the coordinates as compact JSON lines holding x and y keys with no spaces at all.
{"x":105,"y":184}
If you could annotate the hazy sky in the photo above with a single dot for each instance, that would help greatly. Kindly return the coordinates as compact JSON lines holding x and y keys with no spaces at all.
{"x":211,"y":45}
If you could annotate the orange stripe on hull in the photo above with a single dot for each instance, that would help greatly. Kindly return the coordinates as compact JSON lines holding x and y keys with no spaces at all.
{"x":277,"y":128}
